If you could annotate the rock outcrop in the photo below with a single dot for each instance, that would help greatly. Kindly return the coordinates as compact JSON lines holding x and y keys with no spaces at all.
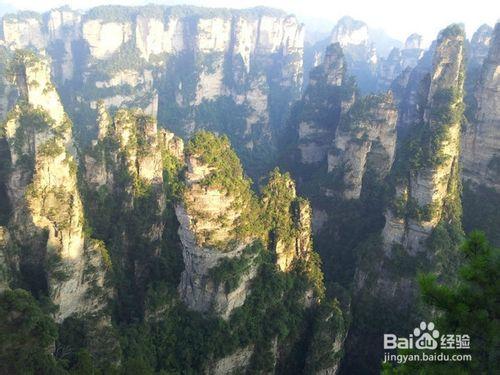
{"x":52,"y":33}
{"x":117,"y":190}
{"x":42,"y":185}
{"x":99,"y":172}
{"x":131,"y":143}
{"x":348,"y":31}
{"x":7,"y":90}
{"x":223,"y":228}
{"x":215,"y":216}
{"x":343,"y":134}
{"x":366,"y":138}
{"x":23,"y":29}
{"x":413,"y":42}
{"x":191,"y":67}
{"x":477,"y":52}
{"x":234,"y":363}
{"x":47,"y":214}
{"x":360,"y":53}
{"x":431,"y":181}
{"x":126,"y":189}
{"x":481,"y":141}
{"x":317,"y":115}
{"x":409,"y":90}
{"x":288,"y":219}
{"x":255,"y":58}
{"x":398,"y":61}
{"x":422,"y":231}
{"x":479,"y":46}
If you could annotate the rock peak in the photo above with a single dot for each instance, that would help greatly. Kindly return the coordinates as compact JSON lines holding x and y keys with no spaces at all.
{"x":414,"y":41}
{"x":334,"y":64}
{"x":482,"y":31}
{"x":438,"y":152}
{"x":453,"y":31}
{"x":349,"y":31}
{"x":481,"y":143}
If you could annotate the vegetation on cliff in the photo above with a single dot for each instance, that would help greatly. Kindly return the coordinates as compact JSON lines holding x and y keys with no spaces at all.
{"x":226,"y":174}
{"x":361,"y":111}
{"x":293,"y":316}
{"x":468,"y":307}
{"x":27,"y":334}
{"x":278,"y":196}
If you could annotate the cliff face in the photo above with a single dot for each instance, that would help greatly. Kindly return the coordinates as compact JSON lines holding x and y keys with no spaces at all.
{"x":317,"y":115}
{"x":23,"y":30}
{"x":130,"y":143}
{"x":481,"y":141}
{"x":398,"y":61}
{"x":42,"y":185}
{"x":432,"y":179}
{"x":248,"y":70}
{"x":329,"y":331}
{"x":350,"y":32}
{"x":47,"y":214}
{"x":340,"y":133}
{"x":127,"y":157}
{"x":53,"y":32}
{"x":361,"y":56}
{"x":128,"y":173}
{"x":214,"y":216}
{"x":133,"y":189}
{"x":410,"y":89}
{"x":288,"y":218}
{"x":230,"y":70}
{"x":479,"y":46}
{"x":366,"y":137}
{"x":422,"y":229}
{"x":223,"y":227}
{"x":98,"y":172}
{"x":343,"y":148}
{"x":238,"y":361}
{"x":233,"y":244}
{"x":132,"y":176}
{"x":7,"y":92}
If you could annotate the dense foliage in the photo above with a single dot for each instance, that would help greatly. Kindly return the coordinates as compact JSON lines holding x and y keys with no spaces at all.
{"x":278,"y":196}
{"x":226,"y":175}
{"x":468,"y":307}
{"x":114,"y":13}
{"x":480,"y":206}
{"x":290,"y":322}
{"x":183,"y":341}
{"x":229,"y":271}
{"x":361,"y":112}
{"x":26,"y":335}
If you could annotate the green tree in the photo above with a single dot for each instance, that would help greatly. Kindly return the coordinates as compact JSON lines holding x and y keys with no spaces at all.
{"x":27,"y":335}
{"x":84,"y":364}
{"x":471,"y":306}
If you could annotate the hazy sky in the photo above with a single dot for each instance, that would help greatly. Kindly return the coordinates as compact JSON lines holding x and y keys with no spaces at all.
{"x":398,"y":18}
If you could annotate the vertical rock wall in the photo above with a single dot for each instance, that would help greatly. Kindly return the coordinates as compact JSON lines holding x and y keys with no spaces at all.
{"x":432,"y":179}
{"x":47,"y":223}
{"x":176,"y":59}
{"x":481,"y":141}
{"x":366,"y":135}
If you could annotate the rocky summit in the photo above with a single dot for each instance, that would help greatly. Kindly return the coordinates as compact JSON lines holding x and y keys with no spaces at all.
{"x":189,"y":190}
